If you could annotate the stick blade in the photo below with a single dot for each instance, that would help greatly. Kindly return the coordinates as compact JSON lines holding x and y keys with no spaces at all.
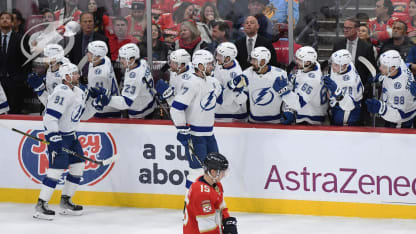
{"x":368,"y":65}
{"x":110,"y":160}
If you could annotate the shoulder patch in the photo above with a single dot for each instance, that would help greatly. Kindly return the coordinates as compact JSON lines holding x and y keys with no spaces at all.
{"x":132,"y":75}
{"x":346,"y":77}
{"x":311,"y":75}
{"x":397,"y":85}
{"x":233,"y":75}
{"x":64,"y":87}
{"x":186,"y":76}
{"x":98,"y":71}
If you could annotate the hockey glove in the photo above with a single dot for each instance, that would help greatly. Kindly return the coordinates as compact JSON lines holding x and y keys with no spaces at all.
{"x":230,"y":225}
{"x":287,"y":118}
{"x":332,"y":87}
{"x":375,"y":106}
{"x":280,"y":85}
{"x":101,"y":101}
{"x":97,"y":91}
{"x":164,"y":90}
{"x":35,"y":82}
{"x":183,"y":135}
{"x":54,"y":146}
{"x":412,"y":88}
{"x":374,"y":79}
{"x":238,"y":83}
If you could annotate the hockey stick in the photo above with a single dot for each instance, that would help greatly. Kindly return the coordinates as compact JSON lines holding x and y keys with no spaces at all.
{"x":154,"y":93}
{"x":99,"y":162}
{"x":192,"y":151}
{"x":373,"y":73}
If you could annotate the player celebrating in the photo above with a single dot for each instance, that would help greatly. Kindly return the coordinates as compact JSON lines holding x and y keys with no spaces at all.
{"x":101,"y":75}
{"x":205,"y":209}
{"x":179,"y":70}
{"x":397,"y":105}
{"x":308,"y":97}
{"x":66,"y":106}
{"x":345,"y":90}
{"x":136,"y":96}
{"x":193,"y":112}
{"x":235,"y":108}
{"x":44,"y":86}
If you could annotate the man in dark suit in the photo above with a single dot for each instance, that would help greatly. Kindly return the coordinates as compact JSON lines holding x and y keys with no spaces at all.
{"x":12,"y":76}
{"x":253,"y":40}
{"x":358,"y":47}
{"x":85,"y":36}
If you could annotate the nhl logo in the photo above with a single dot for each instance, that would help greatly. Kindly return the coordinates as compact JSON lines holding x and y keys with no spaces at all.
{"x":33,"y":156}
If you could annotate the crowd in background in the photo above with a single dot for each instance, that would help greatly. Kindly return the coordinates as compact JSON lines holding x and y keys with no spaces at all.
{"x":193,"y":25}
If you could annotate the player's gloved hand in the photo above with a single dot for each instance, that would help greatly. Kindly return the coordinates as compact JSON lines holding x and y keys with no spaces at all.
{"x":96,"y":91}
{"x":374,"y":79}
{"x":412,"y":88}
{"x":230,"y":225}
{"x":280,"y":85}
{"x":164,"y":90}
{"x":287,"y":118}
{"x":332,"y":87}
{"x":375,"y":106}
{"x":238,"y":83}
{"x":184,"y":134}
{"x":55,"y":145}
{"x":35,"y":81}
{"x":101,"y":101}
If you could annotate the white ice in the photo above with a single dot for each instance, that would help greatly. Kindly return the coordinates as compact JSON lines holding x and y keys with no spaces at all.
{"x":17,"y":218}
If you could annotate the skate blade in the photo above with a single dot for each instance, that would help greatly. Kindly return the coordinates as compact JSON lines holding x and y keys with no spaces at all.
{"x":39,"y":215}
{"x":70,"y":212}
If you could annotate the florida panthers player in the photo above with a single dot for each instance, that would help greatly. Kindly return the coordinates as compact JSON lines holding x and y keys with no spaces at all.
{"x":193,"y":112}
{"x":179,"y":70}
{"x":397,"y":105}
{"x":66,"y":106}
{"x":308,"y":97}
{"x":137,"y":96}
{"x":101,"y":75}
{"x":235,"y":108}
{"x":205,"y":209}
{"x":43,"y":86}
{"x":265,"y":102}
{"x":345,"y":90}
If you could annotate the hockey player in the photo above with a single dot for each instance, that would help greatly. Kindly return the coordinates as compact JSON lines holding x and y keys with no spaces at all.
{"x":193,"y":112}
{"x":308,"y":97}
{"x":265,"y":101}
{"x":205,"y":209}
{"x":44,"y":86}
{"x":345,"y":90}
{"x":101,"y":75}
{"x":397,"y":105}
{"x":136,"y":96}
{"x":179,"y":70}
{"x":4,"y":105}
{"x":227,"y":69}
{"x":66,"y":106}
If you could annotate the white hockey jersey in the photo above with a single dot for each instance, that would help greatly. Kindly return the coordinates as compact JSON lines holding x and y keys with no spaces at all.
{"x":103,"y":76}
{"x":352,"y":89}
{"x":195,"y":104}
{"x":234,"y":107}
{"x":308,"y":97}
{"x":176,"y":81}
{"x":65,"y":108}
{"x":401,"y":104}
{"x":52,"y":79}
{"x":136,"y":96}
{"x":265,"y":102}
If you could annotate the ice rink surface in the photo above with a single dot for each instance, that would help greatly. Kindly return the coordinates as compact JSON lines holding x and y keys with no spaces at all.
{"x":17,"y":218}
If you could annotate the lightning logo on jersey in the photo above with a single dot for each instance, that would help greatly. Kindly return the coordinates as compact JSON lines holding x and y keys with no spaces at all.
{"x":262,"y":97}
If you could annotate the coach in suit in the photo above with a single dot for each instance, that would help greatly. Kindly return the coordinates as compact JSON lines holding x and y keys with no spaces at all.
{"x":12,"y":75}
{"x":252,"y":40}
{"x":358,"y":47}
{"x":82,"y":39}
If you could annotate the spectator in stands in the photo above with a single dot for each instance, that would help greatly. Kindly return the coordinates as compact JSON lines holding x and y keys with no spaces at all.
{"x":182,"y":11}
{"x":160,"y":7}
{"x":233,"y":10}
{"x":159,"y":48}
{"x":169,"y":36}
{"x":364,"y":34}
{"x":220,"y":34}
{"x":70,"y":10}
{"x":120,"y":37}
{"x":12,"y":75}
{"x":19,"y":22}
{"x":87,"y":34}
{"x":251,"y":40}
{"x":189,"y":38}
{"x":281,"y":11}
{"x":137,"y":20}
{"x":399,"y":41}
{"x":411,"y":25}
{"x":209,"y":15}
{"x":256,"y":8}
{"x":381,"y":25}
{"x":101,"y":20}
{"x":281,"y":46}
{"x":401,"y":10}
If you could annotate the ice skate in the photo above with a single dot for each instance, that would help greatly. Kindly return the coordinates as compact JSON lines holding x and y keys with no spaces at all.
{"x":68,"y":207}
{"x":43,"y":211}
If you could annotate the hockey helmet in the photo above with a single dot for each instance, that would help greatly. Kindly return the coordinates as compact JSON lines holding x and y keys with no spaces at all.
{"x":226,"y":49}
{"x":341,"y":58}
{"x":203,"y":57}
{"x":180,"y":56}
{"x":98,"y":48}
{"x":71,"y":28}
{"x":215,"y":161}
{"x":389,"y":59}
{"x":307,"y":54}
{"x":54,"y":53}
{"x":128,"y":51}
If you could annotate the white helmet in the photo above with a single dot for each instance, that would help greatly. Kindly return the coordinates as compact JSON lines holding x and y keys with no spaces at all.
{"x":180,"y":56}
{"x":67,"y":69}
{"x":390,"y":58}
{"x":261,"y":53}
{"x":202,"y":57}
{"x":98,"y":48}
{"x":128,"y":51}
{"x":227,"y":49}
{"x":53,"y":52}
{"x":71,"y":28}
{"x":341,"y":57}
{"x":307,"y":53}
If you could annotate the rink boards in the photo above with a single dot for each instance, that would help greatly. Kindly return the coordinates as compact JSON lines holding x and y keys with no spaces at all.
{"x":362,"y":172}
